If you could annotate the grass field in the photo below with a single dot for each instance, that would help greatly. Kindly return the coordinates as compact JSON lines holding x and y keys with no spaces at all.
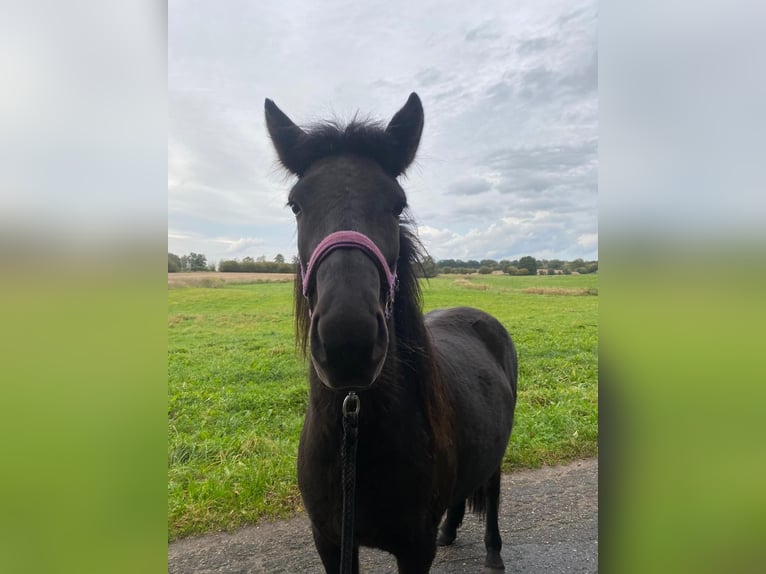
{"x":237,"y":390}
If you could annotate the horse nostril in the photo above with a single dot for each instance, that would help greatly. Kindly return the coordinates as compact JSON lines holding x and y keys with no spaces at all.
{"x":315,"y":340}
{"x":380,"y":347}
{"x":382,"y":329}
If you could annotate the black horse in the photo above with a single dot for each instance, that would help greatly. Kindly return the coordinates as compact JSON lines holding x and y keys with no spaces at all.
{"x":437,"y":392}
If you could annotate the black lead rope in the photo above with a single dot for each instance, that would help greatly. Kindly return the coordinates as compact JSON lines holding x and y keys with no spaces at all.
{"x":348,"y":454}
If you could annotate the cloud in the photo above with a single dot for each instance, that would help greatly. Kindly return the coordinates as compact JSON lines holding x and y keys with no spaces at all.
{"x":428,"y":77}
{"x":241,"y":245}
{"x":539,"y":83}
{"x":588,"y":240}
{"x":486,"y":31}
{"x":172,"y":234}
{"x":472,"y":185}
{"x":535,"y":45}
{"x":508,"y":160}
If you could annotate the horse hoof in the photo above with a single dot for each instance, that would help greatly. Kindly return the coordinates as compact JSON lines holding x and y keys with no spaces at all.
{"x":493,"y":563}
{"x":445,"y":539}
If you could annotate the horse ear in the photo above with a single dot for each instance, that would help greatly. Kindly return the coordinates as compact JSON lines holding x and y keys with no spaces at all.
{"x":285,"y":136}
{"x":404,"y":130}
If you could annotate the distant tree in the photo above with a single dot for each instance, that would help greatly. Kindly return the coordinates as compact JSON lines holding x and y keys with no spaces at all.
{"x":491,"y":263}
{"x":211,"y":266}
{"x":577,"y":264}
{"x":523,"y":271}
{"x":261,"y":259}
{"x":279,"y":258}
{"x":429,"y":268}
{"x":174,"y":263}
{"x":196,"y":262}
{"x":555,"y":264}
{"x":529,"y":263}
{"x":484,"y":270}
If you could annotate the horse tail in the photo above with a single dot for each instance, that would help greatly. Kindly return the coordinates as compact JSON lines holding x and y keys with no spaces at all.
{"x":477,"y":502}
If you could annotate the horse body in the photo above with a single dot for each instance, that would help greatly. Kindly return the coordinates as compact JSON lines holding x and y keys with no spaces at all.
{"x":477,"y":360}
{"x":437,"y":392}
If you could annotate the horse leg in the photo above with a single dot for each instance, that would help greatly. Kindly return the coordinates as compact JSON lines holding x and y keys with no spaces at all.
{"x":419,"y":554}
{"x":448,"y":529}
{"x":329,"y":552}
{"x":492,"y":541}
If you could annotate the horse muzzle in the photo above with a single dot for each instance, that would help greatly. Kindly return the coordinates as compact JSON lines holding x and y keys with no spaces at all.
{"x":348,"y":350}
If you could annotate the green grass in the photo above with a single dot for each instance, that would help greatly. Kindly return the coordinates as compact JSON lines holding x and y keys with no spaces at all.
{"x":237,"y":389}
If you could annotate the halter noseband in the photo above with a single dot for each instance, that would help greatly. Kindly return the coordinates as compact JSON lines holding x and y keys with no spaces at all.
{"x":352,"y":239}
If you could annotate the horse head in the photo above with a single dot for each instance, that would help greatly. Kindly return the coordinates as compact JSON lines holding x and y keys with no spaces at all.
{"x":347,"y":203}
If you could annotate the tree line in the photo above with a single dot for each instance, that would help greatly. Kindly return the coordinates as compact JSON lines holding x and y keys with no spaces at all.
{"x":527,"y":265}
{"x":198,"y":262}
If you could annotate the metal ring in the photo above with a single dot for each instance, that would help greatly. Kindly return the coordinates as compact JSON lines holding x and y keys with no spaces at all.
{"x":351,"y":404}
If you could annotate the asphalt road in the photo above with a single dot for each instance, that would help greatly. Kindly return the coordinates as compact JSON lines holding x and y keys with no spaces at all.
{"x":548,"y":521}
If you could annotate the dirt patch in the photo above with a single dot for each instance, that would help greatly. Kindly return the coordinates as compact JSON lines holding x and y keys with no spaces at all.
{"x":559,"y":291}
{"x":213,"y":279}
{"x":466,"y":284}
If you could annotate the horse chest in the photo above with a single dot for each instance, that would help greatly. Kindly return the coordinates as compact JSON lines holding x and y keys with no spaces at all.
{"x":394,"y":480}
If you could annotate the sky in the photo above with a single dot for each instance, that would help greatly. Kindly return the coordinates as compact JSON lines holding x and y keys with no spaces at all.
{"x":508,"y":161}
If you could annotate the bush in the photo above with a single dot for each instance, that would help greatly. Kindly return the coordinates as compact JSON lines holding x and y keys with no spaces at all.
{"x":248,"y":265}
{"x":229,"y":266}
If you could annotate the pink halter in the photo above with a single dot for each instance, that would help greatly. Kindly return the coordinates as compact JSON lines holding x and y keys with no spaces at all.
{"x":356,"y":240}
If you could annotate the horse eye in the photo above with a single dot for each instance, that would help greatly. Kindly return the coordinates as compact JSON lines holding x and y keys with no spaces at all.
{"x":295,"y":207}
{"x":399,"y":208}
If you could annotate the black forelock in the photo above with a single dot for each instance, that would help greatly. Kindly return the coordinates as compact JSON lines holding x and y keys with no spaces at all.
{"x":366,"y":138}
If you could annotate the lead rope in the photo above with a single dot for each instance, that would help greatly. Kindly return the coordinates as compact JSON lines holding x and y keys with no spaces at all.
{"x":348,"y":454}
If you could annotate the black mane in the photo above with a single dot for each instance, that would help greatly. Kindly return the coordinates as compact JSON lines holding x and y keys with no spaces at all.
{"x":365,"y":138}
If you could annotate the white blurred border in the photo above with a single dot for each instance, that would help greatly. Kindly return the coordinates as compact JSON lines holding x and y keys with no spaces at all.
{"x":682,"y":87}
{"x":82,"y":122}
